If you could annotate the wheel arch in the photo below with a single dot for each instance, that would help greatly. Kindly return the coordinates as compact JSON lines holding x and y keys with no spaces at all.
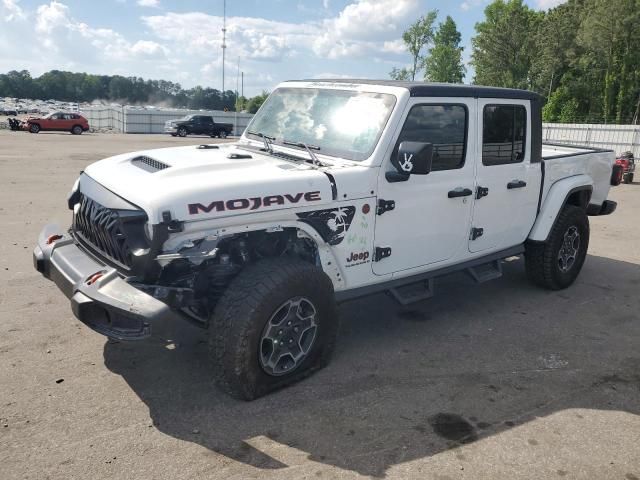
{"x":575,"y":190}
{"x":326,"y":258}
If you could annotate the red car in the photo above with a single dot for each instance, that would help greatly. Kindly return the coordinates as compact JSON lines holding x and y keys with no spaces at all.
{"x":58,"y":122}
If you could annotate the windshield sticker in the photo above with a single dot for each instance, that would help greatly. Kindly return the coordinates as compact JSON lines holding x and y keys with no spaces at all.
{"x":331,"y":224}
{"x":253,"y":203}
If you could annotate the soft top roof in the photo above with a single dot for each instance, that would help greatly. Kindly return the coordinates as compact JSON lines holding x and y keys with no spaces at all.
{"x":424,"y":89}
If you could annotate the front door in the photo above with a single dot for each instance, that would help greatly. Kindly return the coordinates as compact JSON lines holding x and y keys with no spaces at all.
{"x":431,"y":219}
{"x":508,"y":184}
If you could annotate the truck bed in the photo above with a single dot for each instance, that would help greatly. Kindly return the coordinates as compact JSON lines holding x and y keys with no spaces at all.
{"x":562,"y":161}
{"x":551,"y":151}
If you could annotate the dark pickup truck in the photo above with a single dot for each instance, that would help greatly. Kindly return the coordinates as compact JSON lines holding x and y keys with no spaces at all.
{"x":199,"y":125}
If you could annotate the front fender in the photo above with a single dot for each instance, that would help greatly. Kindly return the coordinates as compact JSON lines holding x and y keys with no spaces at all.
{"x":556,"y":199}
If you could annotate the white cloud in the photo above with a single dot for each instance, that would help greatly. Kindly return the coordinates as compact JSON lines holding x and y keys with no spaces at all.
{"x":10,"y":11}
{"x":547,"y":4}
{"x":149,"y":3}
{"x":469,"y":4}
{"x":365,"y":31}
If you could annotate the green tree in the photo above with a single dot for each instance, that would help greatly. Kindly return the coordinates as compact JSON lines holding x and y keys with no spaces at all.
{"x":444,"y":62}
{"x":400,"y":74}
{"x":416,"y":38}
{"x":504,"y":46}
{"x":256,"y":102}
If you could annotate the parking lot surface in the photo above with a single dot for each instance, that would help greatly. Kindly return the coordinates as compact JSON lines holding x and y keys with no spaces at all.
{"x":499,"y":380}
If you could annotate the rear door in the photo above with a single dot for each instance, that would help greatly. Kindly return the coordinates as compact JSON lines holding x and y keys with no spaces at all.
{"x":67,"y":121}
{"x":207,"y":125}
{"x":507,"y":183}
{"x":430,"y":221}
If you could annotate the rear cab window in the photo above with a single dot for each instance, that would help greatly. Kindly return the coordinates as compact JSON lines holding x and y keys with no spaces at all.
{"x":504,"y":130}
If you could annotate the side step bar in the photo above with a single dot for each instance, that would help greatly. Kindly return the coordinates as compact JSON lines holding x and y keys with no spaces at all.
{"x":485,"y":272}
{"x":414,"y":292}
{"x":420,"y":287}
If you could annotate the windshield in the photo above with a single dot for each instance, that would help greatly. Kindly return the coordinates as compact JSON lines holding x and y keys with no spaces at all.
{"x":340,"y":123}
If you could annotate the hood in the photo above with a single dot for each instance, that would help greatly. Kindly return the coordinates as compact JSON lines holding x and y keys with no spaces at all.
{"x":201,"y":182}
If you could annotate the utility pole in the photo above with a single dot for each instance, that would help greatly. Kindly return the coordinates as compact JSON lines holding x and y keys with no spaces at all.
{"x":242,"y":89}
{"x":235,"y":130}
{"x":224,"y":40}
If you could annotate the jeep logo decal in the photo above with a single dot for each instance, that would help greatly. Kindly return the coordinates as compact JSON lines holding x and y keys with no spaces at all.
{"x":358,"y":257}
{"x":253,"y":203}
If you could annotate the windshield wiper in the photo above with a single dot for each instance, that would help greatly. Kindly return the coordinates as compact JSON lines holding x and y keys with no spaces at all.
{"x":265,"y":138}
{"x":309,"y":148}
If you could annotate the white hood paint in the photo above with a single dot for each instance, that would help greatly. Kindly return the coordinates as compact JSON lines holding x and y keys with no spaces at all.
{"x":204,"y":176}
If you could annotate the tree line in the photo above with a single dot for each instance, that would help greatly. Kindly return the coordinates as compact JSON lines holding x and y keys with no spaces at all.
{"x":583,"y":56}
{"x":84,"y":87}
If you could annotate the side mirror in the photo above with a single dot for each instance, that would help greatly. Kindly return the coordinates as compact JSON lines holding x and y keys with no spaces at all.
{"x":413,"y":158}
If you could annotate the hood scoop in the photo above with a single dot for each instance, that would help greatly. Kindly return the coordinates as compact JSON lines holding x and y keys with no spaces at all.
{"x":148,"y":164}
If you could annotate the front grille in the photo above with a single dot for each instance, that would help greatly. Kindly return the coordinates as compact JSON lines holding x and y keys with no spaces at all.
{"x":149,"y":164}
{"x":110,"y":233}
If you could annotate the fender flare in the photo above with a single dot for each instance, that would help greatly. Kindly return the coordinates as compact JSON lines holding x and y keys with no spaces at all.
{"x":555,"y":200}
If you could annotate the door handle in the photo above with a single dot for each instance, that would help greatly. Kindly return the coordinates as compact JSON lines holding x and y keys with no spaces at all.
{"x":460,"y":192}
{"x":516,"y":184}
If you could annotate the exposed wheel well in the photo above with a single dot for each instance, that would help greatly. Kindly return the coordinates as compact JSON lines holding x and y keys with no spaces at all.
{"x":579,"y":198}
{"x":206,"y":267}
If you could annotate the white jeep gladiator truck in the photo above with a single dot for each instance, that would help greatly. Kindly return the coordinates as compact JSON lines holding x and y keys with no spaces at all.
{"x":337,"y":189}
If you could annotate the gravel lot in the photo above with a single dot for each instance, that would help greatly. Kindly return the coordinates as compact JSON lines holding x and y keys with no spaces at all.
{"x":500,"y":380}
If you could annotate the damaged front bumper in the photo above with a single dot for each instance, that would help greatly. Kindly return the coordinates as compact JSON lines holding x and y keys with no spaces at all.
{"x":100,"y":298}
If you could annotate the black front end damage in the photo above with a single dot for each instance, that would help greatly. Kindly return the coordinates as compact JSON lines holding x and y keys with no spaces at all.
{"x":120,"y":282}
{"x":192,"y":280}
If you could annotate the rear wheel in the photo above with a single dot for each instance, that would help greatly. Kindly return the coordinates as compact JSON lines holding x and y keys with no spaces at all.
{"x":556,"y":263}
{"x":275,"y":325}
{"x":628,"y":178}
{"x":34,"y":128}
{"x":76,"y":130}
{"x":182,"y":132}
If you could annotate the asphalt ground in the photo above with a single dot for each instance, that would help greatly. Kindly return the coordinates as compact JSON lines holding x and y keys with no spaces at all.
{"x":495,"y":381}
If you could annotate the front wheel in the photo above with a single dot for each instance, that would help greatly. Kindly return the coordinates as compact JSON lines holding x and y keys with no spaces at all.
{"x":34,"y":128}
{"x":556,"y":263}
{"x":275,"y":325}
{"x":223,"y":134}
{"x":182,"y":132}
{"x":76,"y":130}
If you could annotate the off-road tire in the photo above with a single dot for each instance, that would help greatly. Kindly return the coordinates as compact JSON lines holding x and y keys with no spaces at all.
{"x":76,"y":130}
{"x":237,"y":324}
{"x":34,"y":128}
{"x":541,"y":258}
{"x":182,"y":132}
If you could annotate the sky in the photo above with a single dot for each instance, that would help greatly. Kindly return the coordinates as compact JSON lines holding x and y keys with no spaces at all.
{"x":180,"y":40}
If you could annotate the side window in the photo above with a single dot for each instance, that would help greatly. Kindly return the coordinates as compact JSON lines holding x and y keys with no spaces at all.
{"x":444,"y":126}
{"x":504,"y":130}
